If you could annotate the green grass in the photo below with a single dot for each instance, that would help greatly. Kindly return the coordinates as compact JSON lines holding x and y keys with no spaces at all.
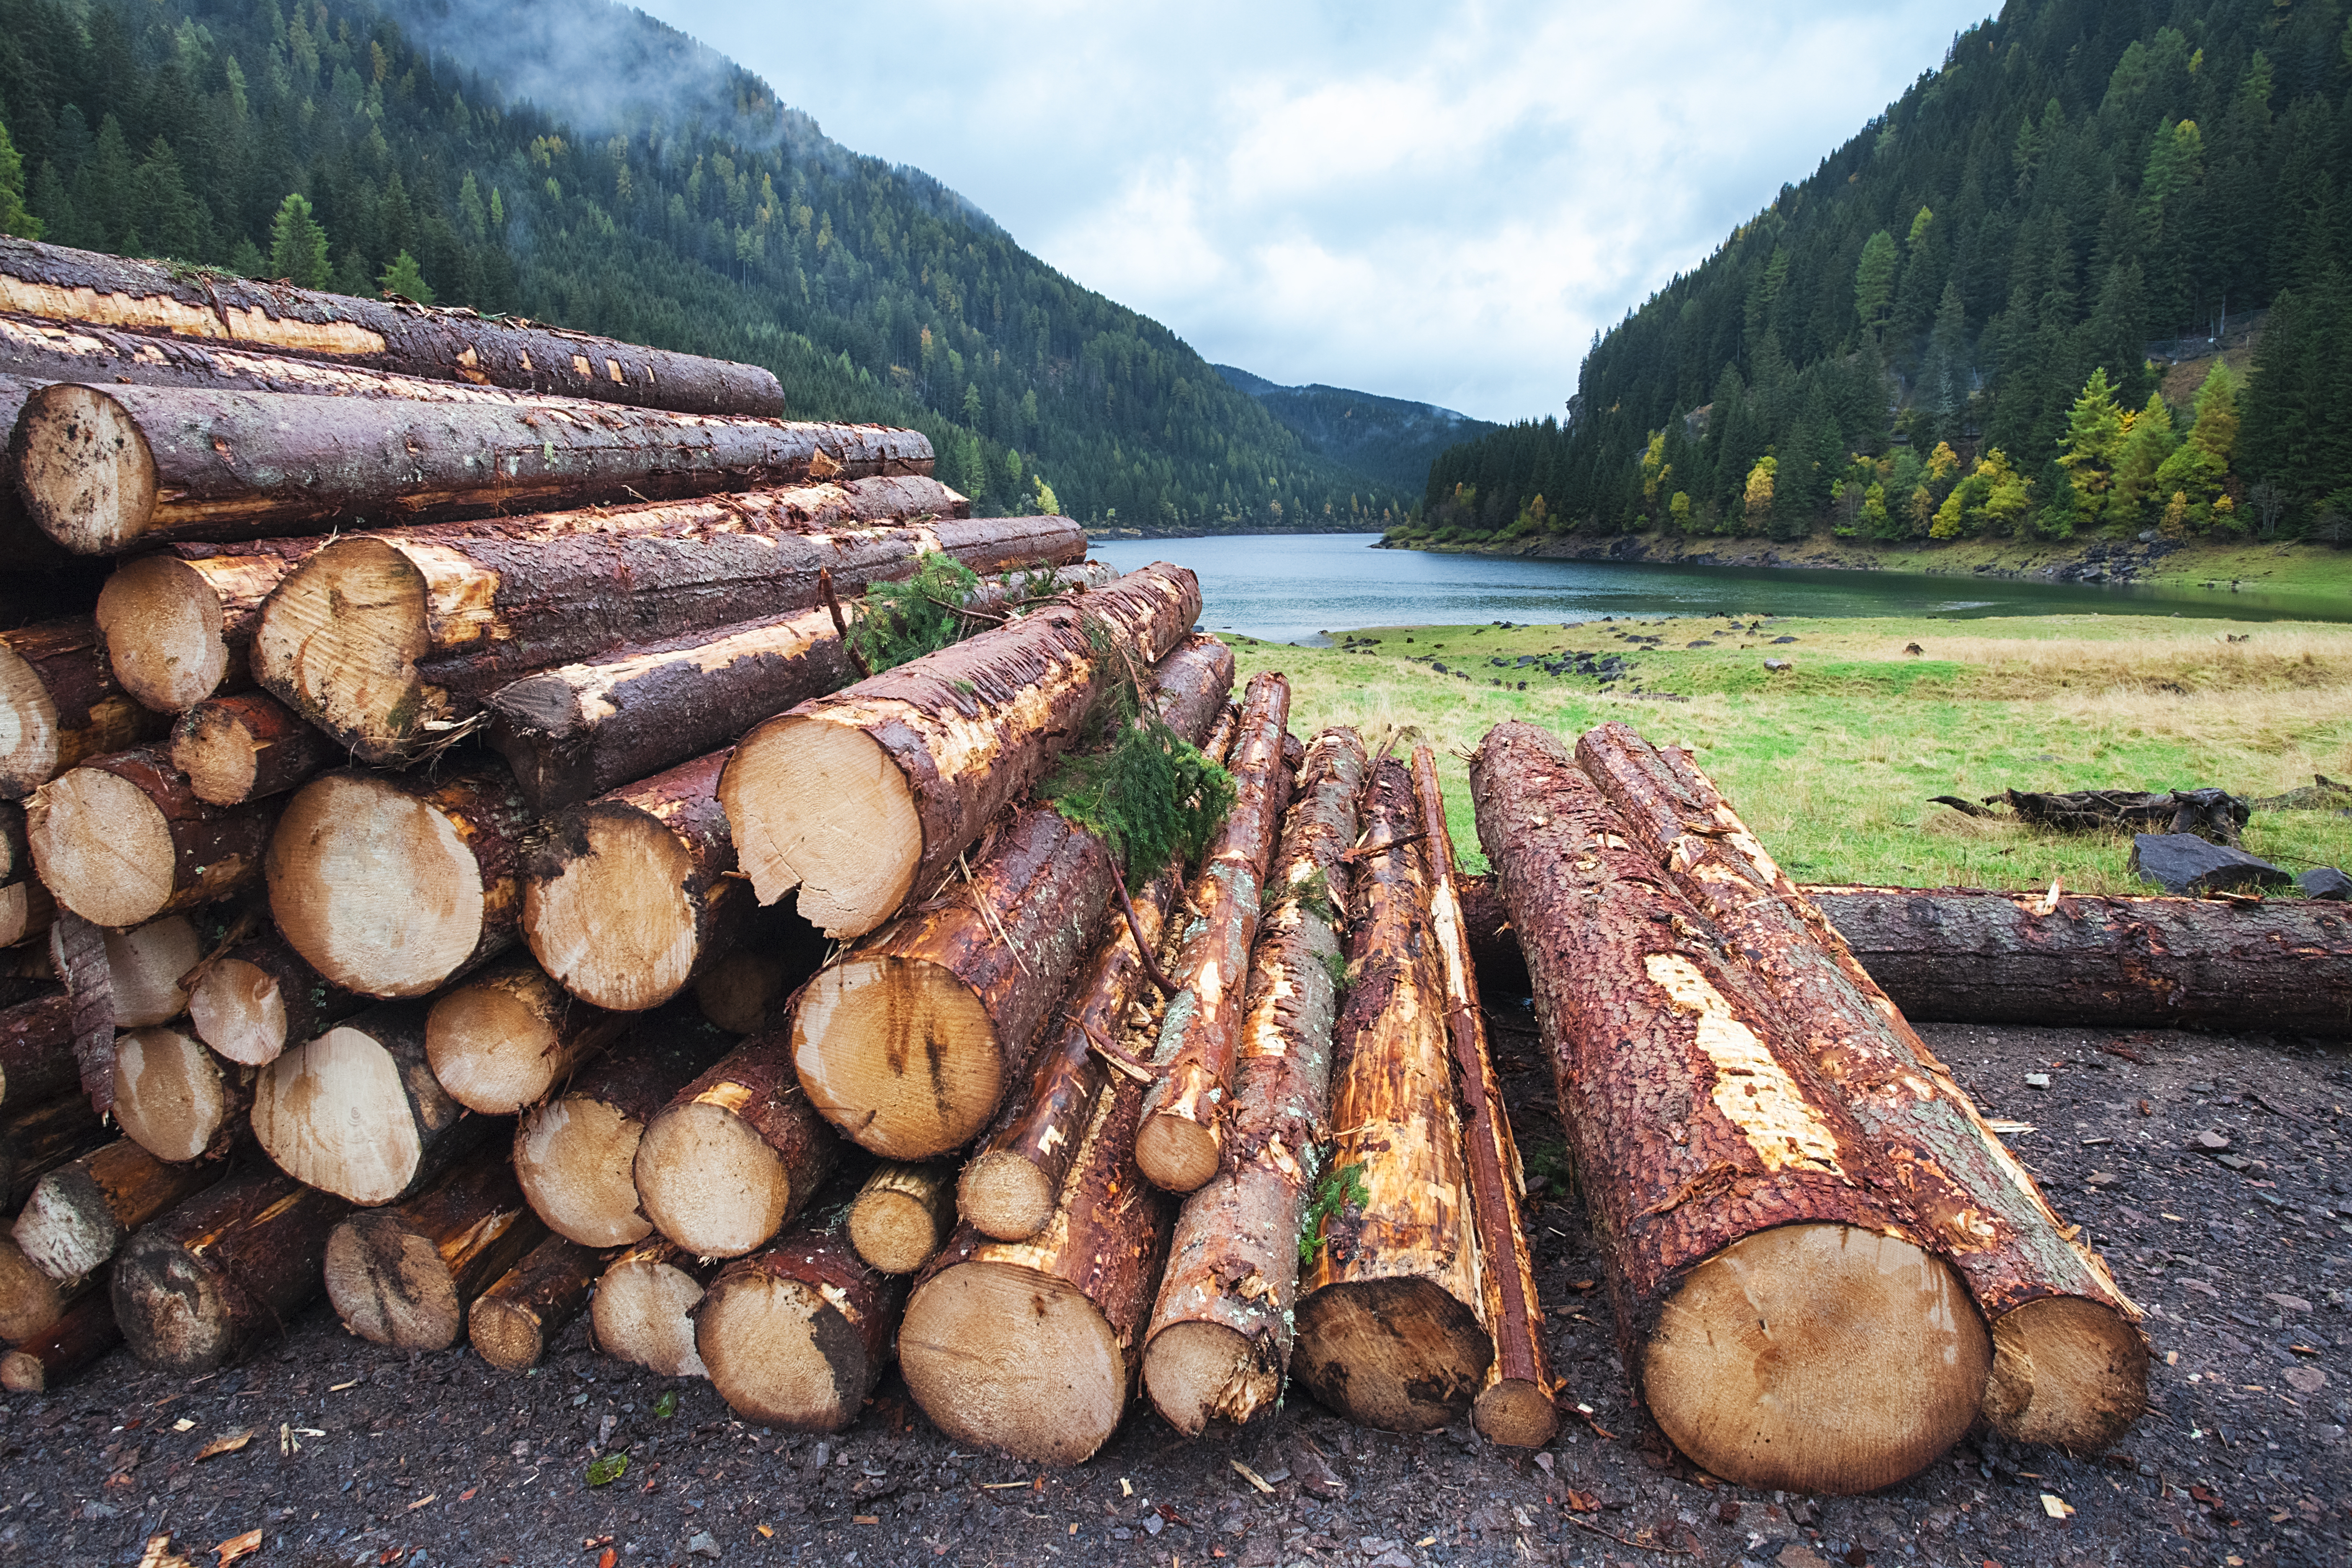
{"x":1834,"y":763}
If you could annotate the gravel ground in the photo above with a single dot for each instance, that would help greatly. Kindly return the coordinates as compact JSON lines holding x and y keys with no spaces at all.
{"x":2243,"y":1257}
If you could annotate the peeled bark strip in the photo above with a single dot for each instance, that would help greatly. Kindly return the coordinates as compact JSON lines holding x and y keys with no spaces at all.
{"x":864,"y":799}
{"x":1391,"y":1326}
{"x":60,"y":704}
{"x":1181,"y":1138}
{"x":1515,"y":1407}
{"x":735,"y":1154}
{"x":902,"y":1214}
{"x":245,"y":748}
{"x":47,"y":1360}
{"x":2070,"y":1365}
{"x":37,"y":1059}
{"x":178,"y":624}
{"x":392,"y":886}
{"x":176,"y":1100}
{"x":257,"y":998}
{"x":404,"y":1276}
{"x":502,"y":1040}
{"x":123,"y":839}
{"x":229,"y":1268}
{"x":798,"y":1336}
{"x":644,"y":1307}
{"x":576,"y":1156}
{"x":1220,"y":1336}
{"x":512,"y":1323}
{"x":1788,"y":1324}
{"x":358,"y":1112}
{"x":31,"y":1302}
{"x":80,"y":1214}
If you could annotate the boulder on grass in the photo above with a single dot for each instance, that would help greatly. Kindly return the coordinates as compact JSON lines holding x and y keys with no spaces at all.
{"x":2326,"y":882}
{"x":2182,"y":863}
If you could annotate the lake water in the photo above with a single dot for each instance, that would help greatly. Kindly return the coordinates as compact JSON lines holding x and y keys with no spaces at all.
{"x":1294,"y":587}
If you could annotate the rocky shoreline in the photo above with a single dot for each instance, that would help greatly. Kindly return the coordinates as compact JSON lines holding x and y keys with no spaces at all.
{"x":2096,"y":562}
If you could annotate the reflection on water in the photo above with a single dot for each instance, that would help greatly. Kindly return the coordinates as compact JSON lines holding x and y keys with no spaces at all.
{"x":1293,"y":587}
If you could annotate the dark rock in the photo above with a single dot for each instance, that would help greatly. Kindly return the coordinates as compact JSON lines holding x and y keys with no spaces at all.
{"x":2183,"y":863}
{"x":2326,"y":882}
{"x":1778,"y":640}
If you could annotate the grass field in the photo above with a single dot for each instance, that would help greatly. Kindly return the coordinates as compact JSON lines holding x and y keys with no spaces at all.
{"x":1834,"y":762}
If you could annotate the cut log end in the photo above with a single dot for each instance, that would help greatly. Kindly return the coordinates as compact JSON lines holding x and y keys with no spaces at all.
{"x":1178,"y":1154}
{"x":507,"y":1335}
{"x":171,"y":1309}
{"x":779,"y":1354}
{"x":103,"y":846}
{"x":911,"y":1066}
{"x":1200,"y":1371}
{"x":334,"y":900}
{"x":389,"y":1286}
{"x":2068,"y":1372}
{"x":339,"y":641}
{"x":1005,"y":1196}
{"x":320,"y":1112}
{"x":1003,"y":1356}
{"x":709,"y":1182}
{"x":238,"y":1010}
{"x":170,"y":1093}
{"x":28,"y":726}
{"x":902,"y":1216}
{"x":1516,"y":1414}
{"x":87,"y":475}
{"x":67,"y":1230}
{"x":824,"y":808}
{"x":30,"y":1301}
{"x":1818,"y":1358}
{"x":492,"y":1049}
{"x":220,"y":753}
{"x":146,"y":966}
{"x":162,"y":623}
{"x":576,"y":1159}
{"x":1399,"y":1353}
{"x":641,"y":1315}
{"x":614,"y":925}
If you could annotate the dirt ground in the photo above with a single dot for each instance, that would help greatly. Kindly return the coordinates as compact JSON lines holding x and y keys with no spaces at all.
{"x":364,"y":1456}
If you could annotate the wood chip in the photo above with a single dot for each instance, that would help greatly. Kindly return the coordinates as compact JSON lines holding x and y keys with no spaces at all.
{"x":1251,"y":1476}
{"x":226,"y":1443}
{"x":2055,"y":1506}
{"x":420,"y":1502}
{"x":237,"y":1546}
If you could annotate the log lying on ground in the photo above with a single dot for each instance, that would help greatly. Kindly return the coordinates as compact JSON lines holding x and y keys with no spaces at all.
{"x":576,"y":1156}
{"x":45,"y":1361}
{"x":176,"y":1100}
{"x":393,"y":886}
{"x":735,"y":1154}
{"x":799,"y":1335}
{"x":404,"y":1276}
{"x":253,"y":1001}
{"x":31,"y":1302}
{"x":60,"y":704}
{"x":1787,"y":1324}
{"x":246,"y":748}
{"x":358,"y":1112}
{"x":1219,"y":1340}
{"x":123,"y":839}
{"x":227,"y":1268}
{"x":39,"y":1138}
{"x":901,"y":1217}
{"x":502,"y":1040}
{"x":1515,"y":1407}
{"x":63,"y":284}
{"x":37,"y":1060}
{"x":80,"y":1214}
{"x":512,"y":1323}
{"x":864,"y":799}
{"x":1180,"y":1139}
{"x":642,"y":1311}
{"x":1391,"y":1303}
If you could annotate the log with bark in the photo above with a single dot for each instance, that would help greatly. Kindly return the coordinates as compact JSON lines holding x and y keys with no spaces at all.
{"x":393,"y":886}
{"x":735,"y":1154}
{"x":204,"y":1284}
{"x":148,"y":967}
{"x":177,"y":626}
{"x":45,"y":1361}
{"x":1218,"y":1345}
{"x":502,"y":1040}
{"x":59,"y":283}
{"x":404,"y":1276}
{"x":39,"y":1138}
{"x":37,"y":1060}
{"x":576,"y":1156}
{"x":511,"y":1324}
{"x":644,"y":1307}
{"x":78,"y":1215}
{"x":1180,"y":1140}
{"x":1779,"y":1310}
{"x":358,"y":1112}
{"x":78,"y":957}
{"x":31,"y":1302}
{"x":59,"y":703}
{"x":123,"y":839}
{"x":865,"y":799}
{"x":2070,"y":1364}
{"x":26,"y":909}
{"x":176,"y":1100}
{"x":2210,"y":814}
{"x":1391,"y":1328}
{"x":798,"y":1335}
{"x":902,"y":1214}
{"x":246,"y":748}
{"x":254,"y":1000}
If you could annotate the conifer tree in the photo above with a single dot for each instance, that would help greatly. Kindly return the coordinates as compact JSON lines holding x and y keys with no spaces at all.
{"x":403,"y":278}
{"x":297,"y":245}
{"x":15,"y":216}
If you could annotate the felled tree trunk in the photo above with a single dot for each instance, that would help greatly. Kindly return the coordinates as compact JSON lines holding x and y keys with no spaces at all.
{"x":735,"y":1154}
{"x":1193,"y":684}
{"x":1787,"y":1324}
{"x":37,"y":1060}
{"x":246,"y":748}
{"x":123,"y":839}
{"x":60,"y":704}
{"x":404,"y":1276}
{"x":358,"y":1112}
{"x":47,"y":1360}
{"x":176,"y":1100}
{"x":864,"y":799}
{"x":500,"y":1041}
{"x":901,"y":1215}
{"x":1220,"y":1335}
{"x":799,"y":1335}
{"x":1389,"y":1328}
{"x":642,"y":1310}
{"x":78,"y":1214}
{"x":253,"y":1001}
{"x":512,"y":1323}
{"x":227,"y":1268}
{"x":1180,"y":1139}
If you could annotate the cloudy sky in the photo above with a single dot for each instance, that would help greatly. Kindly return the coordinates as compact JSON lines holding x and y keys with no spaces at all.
{"x":1439,"y":202}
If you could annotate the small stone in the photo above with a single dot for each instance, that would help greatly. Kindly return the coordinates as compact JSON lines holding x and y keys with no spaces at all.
{"x":1153,"y":1524}
{"x":2184,"y":864}
{"x":2292,"y":1303}
{"x":2104,"y":1178}
{"x":2212,"y":1141}
{"x":1802,"y":1556}
{"x":1394,"y":1557}
{"x":2305,"y":1379}
{"x":2231,"y":1162}
{"x":2326,"y":882}
{"x":700,"y":1544}
{"x":1779,"y":666}
{"x":1779,"y":641}
{"x":2037,"y":1080}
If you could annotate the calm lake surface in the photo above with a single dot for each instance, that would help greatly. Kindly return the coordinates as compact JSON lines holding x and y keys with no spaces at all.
{"x":1294,"y":587}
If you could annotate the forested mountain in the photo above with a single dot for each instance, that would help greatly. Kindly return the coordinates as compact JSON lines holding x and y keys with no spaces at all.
{"x":1944,"y":332}
{"x":685,"y":206}
{"x":1386,"y":438}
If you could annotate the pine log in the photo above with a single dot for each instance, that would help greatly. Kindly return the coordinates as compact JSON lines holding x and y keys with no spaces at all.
{"x":512,"y":1323}
{"x":45,"y":1361}
{"x":26,"y":911}
{"x":60,"y":704}
{"x":39,"y":1138}
{"x":78,"y":953}
{"x":1784,"y":1318}
{"x":1180,"y":1140}
{"x":404,"y":1276}
{"x":253,"y":1001}
{"x":379,"y":639}
{"x":146,"y":967}
{"x":177,"y":626}
{"x":1515,"y":1407}
{"x":798,"y":1335}
{"x":176,"y":1100}
{"x":394,"y":886}
{"x":1193,"y":684}
{"x":576,"y":1156}
{"x":1391,"y":1329}
{"x":199,"y":1288}
{"x":644,"y":1309}
{"x":27,"y":553}
{"x":902,"y":1214}
{"x":358,"y":1112}
{"x":735,"y":1154}
{"x":31,"y":1302}
{"x":37,"y":1060}
{"x":123,"y":839}
{"x":78,"y":1215}
{"x":246,"y":748}
{"x":501,"y":1041}
{"x":865,"y":799}
{"x":1219,"y":1342}
{"x":2070,"y":1364}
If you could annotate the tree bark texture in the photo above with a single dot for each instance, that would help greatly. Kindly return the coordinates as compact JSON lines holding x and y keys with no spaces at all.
{"x":643,"y":1310}
{"x":865,"y":799}
{"x":798,"y":1335}
{"x":1219,"y":1342}
{"x":234,"y":750}
{"x":78,"y":1216}
{"x":902,"y":1214}
{"x":51,"y":1358}
{"x":83,"y":960}
{"x":1181,"y":1141}
{"x":358,"y":1112}
{"x":60,"y":704}
{"x":512,"y":1323}
{"x":37,"y":1059}
{"x":1781,"y":1312}
{"x":123,"y":839}
{"x":404,"y":1276}
{"x":201,"y":1287}
{"x":259,"y":997}
{"x":735,"y":1154}
{"x":39,"y":1138}
{"x":1192,"y":683}
{"x":500,"y":1041}
{"x":176,"y":1100}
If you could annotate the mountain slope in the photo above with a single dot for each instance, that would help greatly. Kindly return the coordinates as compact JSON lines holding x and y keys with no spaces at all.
{"x":1386,"y":438}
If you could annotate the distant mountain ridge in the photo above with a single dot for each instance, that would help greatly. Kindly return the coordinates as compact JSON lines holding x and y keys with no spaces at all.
{"x":1390,"y":439}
